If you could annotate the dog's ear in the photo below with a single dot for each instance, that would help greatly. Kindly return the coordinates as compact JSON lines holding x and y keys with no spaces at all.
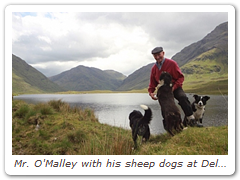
{"x":206,"y":98}
{"x":195,"y":96}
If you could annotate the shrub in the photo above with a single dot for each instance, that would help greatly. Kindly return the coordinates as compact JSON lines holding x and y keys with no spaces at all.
{"x":16,"y":104}
{"x":64,"y":108}
{"x":30,"y":113}
{"x":44,"y":109}
{"x":87,"y":115}
{"x":56,"y":104}
{"x":22,"y":111}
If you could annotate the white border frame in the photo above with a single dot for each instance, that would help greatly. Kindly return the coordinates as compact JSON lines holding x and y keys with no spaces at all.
{"x":227,"y":161}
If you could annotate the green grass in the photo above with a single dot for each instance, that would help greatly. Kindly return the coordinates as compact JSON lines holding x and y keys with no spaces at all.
{"x":192,"y":141}
{"x":214,"y":87}
{"x":73,"y":131}
{"x":64,"y":130}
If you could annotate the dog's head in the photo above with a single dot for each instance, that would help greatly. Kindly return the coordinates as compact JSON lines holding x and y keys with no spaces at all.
{"x":201,"y":100}
{"x":165,"y":79}
{"x":135,"y":114}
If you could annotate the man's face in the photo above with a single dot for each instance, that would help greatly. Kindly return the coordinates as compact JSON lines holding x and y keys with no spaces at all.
{"x":159,"y":56}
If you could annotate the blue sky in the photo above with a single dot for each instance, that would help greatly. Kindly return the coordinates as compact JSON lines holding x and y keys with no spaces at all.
{"x":23,"y":14}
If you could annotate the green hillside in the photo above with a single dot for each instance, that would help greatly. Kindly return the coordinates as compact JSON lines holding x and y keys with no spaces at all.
{"x":207,"y":73}
{"x":26,"y":79}
{"x":218,"y":38}
{"x":19,"y":86}
{"x":206,"y":69}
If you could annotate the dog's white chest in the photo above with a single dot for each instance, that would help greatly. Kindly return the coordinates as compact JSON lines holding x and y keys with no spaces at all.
{"x":198,"y":114}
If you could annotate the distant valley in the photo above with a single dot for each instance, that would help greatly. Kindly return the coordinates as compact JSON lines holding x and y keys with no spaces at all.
{"x":204,"y":64}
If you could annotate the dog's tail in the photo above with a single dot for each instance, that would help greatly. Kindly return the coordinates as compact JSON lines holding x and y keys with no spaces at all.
{"x":147,"y":115}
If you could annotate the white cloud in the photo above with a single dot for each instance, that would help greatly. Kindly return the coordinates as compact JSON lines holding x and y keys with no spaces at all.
{"x":45,"y":39}
{"x":118,"y":41}
{"x":52,"y":68}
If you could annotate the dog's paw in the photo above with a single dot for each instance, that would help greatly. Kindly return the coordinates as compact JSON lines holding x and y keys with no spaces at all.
{"x":144,"y":107}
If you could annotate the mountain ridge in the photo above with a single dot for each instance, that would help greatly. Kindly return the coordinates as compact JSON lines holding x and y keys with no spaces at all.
{"x":26,"y":79}
{"x":215,"y":39}
{"x":83,"y":78}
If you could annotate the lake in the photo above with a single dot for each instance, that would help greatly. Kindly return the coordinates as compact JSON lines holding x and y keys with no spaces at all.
{"x":114,"y":108}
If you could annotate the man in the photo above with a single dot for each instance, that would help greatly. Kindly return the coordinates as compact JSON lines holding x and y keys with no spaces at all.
{"x":170,"y":66}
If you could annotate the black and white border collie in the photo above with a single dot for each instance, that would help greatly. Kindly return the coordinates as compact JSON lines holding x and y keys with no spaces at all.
{"x":140,"y":124}
{"x":198,"y":107}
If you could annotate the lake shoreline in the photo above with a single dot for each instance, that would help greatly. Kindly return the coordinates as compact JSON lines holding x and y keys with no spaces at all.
{"x":54,"y":128}
{"x":189,"y":91}
{"x":114,"y":108}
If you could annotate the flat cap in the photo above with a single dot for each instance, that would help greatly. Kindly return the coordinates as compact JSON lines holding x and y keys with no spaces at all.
{"x":157,"y":50}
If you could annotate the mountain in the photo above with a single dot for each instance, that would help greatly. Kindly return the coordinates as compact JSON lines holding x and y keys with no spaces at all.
{"x":82,"y":78}
{"x":208,"y":70}
{"x":115,"y":75}
{"x":204,"y":65}
{"x":137,"y":80}
{"x":217,"y":39}
{"x":26,"y":79}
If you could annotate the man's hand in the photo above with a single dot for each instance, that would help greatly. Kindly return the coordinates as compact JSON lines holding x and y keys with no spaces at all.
{"x":153,"y":96}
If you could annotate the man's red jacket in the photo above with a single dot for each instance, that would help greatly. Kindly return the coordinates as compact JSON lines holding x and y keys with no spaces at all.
{"x":169,"y":66}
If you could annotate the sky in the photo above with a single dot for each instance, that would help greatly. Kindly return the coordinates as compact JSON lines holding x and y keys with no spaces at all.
{"x":53,"y":42}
